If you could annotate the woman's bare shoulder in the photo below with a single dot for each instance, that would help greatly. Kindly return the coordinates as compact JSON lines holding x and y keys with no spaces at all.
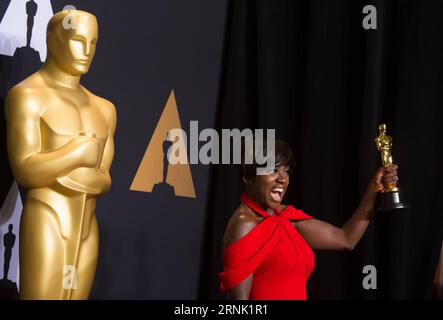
{"x":242,"y":221}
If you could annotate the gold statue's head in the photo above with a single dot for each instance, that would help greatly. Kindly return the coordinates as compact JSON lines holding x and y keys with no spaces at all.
{"x":382,"y":128}
{"x":71,"y":39}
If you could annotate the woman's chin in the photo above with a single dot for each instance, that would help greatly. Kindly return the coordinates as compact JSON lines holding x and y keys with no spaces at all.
{"x":274,"y":203}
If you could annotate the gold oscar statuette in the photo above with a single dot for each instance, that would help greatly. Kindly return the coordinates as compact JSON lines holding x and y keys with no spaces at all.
{"x":60,"y":147}
{"x":390,"y":198}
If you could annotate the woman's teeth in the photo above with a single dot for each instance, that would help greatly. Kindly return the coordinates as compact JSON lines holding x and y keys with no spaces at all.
{"x":276,"y":194}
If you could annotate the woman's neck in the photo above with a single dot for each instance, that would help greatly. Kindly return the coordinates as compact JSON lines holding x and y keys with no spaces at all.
{"x":251,"y":194}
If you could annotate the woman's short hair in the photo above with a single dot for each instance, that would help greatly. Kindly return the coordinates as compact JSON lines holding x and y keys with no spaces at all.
{"x":283,"y":157}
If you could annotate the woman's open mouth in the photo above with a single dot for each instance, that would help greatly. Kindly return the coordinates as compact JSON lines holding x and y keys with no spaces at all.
{"x":277,"y":194}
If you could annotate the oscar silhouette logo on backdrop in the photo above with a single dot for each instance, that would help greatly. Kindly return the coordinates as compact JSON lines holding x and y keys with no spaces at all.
{"x":22,"y":39}
{"x":22,"y":50}
{"x":155,"y":173}
{"x":10,"y":212}
{"x":23,"y":28}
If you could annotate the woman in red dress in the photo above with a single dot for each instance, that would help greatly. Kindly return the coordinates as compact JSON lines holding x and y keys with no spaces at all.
{"x":267,"y":246}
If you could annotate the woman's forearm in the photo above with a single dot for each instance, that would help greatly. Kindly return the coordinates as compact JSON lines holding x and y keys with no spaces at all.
{"x":356,"y":226}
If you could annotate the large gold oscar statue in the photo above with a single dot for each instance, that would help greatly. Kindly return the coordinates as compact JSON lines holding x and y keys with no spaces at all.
{"x":60,"y":146}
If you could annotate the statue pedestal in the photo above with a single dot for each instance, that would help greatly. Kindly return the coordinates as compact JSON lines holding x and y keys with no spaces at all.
{"x":164,"y":189}
{"x":8,"y":290}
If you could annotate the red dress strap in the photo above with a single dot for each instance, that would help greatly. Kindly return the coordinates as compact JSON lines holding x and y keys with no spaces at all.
{"x":254,"y":206}
{"x":289,"y":212}
{"x":293,"y":214}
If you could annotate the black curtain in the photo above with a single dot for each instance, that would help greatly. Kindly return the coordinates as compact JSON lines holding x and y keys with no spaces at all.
{"x":311,"y":71}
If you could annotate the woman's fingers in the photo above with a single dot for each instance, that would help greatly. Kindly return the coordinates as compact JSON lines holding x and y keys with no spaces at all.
{"x":391,"y":169}
{"x":386,"y":177}
{"x":390,"y":180}
{"x":390,"y":177}
{"x":379,"y":174}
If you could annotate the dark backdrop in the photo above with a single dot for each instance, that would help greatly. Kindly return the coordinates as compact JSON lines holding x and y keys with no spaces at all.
{"x":310,"y":70}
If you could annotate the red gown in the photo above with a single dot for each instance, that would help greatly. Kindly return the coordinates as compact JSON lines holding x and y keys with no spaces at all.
{"x":275,"y":252}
